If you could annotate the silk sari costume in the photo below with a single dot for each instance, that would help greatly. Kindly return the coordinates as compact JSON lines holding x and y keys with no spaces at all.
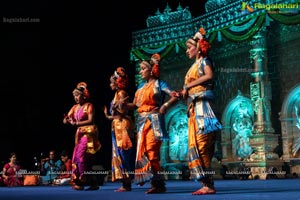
{"x":202,"y":124}
{"x":122,"y":128}
{"x":86,"y":142}
{"x":14,"y":177}
{"x":150,"y":130}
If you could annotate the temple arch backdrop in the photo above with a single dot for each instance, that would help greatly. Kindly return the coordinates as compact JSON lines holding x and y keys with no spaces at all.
{"x":290,"y":125}
{"x":255,"y":50}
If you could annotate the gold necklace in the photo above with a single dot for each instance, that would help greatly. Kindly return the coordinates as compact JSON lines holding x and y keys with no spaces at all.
{"x":142,"y":92}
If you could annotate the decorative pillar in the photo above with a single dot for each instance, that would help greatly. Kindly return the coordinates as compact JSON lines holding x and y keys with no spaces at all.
{"x":263,"y":161}
{"x":260,"y":88}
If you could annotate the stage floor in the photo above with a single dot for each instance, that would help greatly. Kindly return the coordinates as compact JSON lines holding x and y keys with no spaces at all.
{"x":272,"y":189}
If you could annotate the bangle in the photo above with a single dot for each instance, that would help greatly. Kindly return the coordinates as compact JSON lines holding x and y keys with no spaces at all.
{"x":166,"y":104}
{"x":185,"y":87}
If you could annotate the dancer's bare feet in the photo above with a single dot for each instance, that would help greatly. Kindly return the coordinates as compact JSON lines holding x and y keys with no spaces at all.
{"x":156,"y":190}
{"x":77,"y":187}
{"x":141,"y":184}
{"x":204,"y":190}
{"x":122,"y":189}
{"x":95,"y":187}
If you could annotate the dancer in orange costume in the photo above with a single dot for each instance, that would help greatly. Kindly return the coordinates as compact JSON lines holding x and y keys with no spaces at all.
{"x":150,"y":104}
{"x":202,"y":123}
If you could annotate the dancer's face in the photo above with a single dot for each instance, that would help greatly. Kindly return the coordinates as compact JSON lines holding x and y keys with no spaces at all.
{"x":145,"y":72}
{"x":79,"y":98}
{"x":113,"y":85}
{"x":191,"y":50}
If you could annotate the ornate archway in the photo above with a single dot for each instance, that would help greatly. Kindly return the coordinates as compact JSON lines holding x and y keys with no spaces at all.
{"x":290,"y":128}
{"x":237,"y":120}
{"x":174,"y":150}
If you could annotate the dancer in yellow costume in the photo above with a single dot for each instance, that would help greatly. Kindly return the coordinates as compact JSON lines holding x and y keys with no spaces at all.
{"x":122,"y":128}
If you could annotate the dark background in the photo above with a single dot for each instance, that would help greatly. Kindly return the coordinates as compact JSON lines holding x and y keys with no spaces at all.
{"x":41,"y":63}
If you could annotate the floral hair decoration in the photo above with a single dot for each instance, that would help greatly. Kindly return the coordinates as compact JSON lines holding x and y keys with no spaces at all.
{"x":153,"y":64}
{"x":120,"y":77}
{"x":199,"y":40}
{"x":81,"y":88}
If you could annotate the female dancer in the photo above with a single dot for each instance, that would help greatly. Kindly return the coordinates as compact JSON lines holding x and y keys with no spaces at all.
{"x":82,"y":115}
{"x":122,"y":129}
{"x":202,"y":123}
{"x":149,"y":101}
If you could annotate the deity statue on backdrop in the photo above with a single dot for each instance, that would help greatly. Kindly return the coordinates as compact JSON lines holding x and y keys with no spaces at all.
{"x":243,"y":130}
{"x":296,"y":142}
{"x":178,"y":137}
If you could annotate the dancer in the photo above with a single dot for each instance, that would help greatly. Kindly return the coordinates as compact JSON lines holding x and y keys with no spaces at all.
{"x":122,"y":132}
{"x":82,"y":115}
{"x":202,"y":122}
{"x":150,"y":104}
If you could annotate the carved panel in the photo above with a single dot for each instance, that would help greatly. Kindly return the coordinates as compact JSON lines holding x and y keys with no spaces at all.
{"x":178,"y":133}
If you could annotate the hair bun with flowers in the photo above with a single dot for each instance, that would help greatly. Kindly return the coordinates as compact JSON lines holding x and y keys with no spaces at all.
{"x":82,"y":85}
{"x":120,"y":72}
{"x":81,"y":88}
{"x":202,"y":31}
{"x":155,"y":58}
{"x":154,"y":61}
{"x":200,"y":34}
{"x":202,"y":43}
{"x":120,"y":77}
